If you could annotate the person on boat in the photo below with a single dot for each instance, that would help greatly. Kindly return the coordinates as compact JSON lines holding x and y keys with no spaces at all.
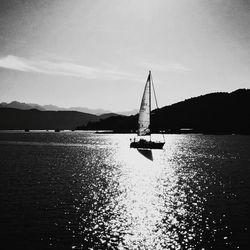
{"x":143,"y":141}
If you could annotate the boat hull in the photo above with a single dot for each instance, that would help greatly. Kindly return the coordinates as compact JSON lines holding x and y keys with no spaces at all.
{"x":147,"y":145}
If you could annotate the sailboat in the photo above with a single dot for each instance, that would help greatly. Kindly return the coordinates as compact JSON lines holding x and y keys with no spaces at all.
{"x":144,"y":120}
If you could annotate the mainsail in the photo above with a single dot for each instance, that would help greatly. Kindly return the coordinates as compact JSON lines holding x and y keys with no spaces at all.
{"x":144,"y":113}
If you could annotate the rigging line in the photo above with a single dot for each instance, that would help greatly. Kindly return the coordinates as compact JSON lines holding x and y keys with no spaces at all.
{"x":154,"y":92}
{"x":156,"y":102}
{"x":149,"y":82}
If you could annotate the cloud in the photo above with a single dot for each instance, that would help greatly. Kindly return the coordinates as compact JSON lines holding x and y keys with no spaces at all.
{"x":168,"y":67}
{"x":60,"y":68}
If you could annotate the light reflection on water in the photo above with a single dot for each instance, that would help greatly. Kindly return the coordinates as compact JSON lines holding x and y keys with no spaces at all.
{"x":146,"y":204}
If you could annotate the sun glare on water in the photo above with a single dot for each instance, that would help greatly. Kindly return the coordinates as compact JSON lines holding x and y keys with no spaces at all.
{"x":145,"y":205}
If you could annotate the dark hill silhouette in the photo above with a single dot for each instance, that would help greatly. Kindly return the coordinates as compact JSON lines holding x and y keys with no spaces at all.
{"x":11,"y":118}
{"x":211,"y":113}
{"x":221,"y":113}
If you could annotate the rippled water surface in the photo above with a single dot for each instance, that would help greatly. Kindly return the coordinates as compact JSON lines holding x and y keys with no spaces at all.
{"x":81,"y":190}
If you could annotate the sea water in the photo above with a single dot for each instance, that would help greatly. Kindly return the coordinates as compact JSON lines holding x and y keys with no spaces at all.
{"x":82,"y":190}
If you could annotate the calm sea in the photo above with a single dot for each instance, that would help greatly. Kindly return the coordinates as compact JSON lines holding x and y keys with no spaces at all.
{"x":81,"y":190}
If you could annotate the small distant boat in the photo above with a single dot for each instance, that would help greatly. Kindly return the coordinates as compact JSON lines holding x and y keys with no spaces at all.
{"x":57,"y":130}
{"x":26,"y":130}
{"x":144,"y":120}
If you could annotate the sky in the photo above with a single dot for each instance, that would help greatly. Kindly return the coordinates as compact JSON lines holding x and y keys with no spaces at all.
{"x":97,"y":53}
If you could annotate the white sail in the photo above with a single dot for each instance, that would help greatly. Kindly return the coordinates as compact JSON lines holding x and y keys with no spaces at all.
{"x":144,"y":113}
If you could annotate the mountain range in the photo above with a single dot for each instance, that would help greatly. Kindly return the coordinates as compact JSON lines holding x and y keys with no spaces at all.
{"x":50,"y":107}
{"x":216,"y":113}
